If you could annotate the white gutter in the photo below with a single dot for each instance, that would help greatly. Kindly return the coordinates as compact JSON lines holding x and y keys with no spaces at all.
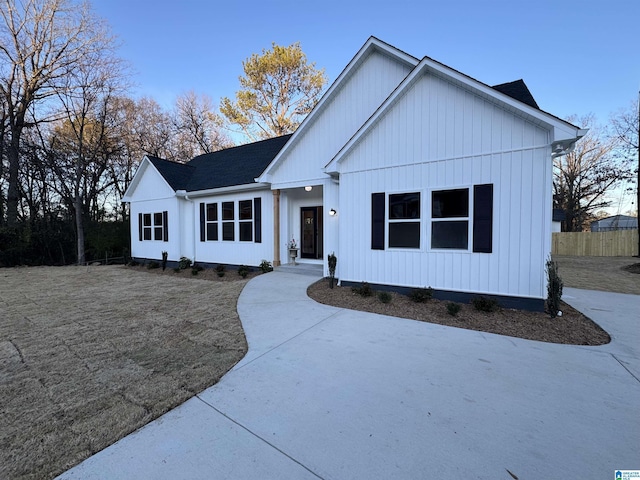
{"x":216,"y":191}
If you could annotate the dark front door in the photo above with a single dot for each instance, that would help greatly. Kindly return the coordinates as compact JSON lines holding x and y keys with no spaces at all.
{"x":311,"y":234}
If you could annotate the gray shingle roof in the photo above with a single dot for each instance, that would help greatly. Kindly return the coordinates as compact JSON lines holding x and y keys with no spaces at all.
{"x":225,"y":168}
{"x":517,"y":90}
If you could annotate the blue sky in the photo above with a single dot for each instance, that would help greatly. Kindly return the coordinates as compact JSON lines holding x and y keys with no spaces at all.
{"x":576,"y":56}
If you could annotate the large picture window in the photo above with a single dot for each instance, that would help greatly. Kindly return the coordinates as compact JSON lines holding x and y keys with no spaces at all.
{"x":450,"y":219}
{"x":404,"y":220}
{"x":247,"y":223}
{"x":153,"y":226}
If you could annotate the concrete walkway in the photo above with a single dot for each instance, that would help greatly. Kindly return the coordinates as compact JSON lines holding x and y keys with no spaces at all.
{"x":337,"y":394}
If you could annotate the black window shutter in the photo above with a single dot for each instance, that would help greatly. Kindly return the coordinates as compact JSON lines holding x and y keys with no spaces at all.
{"x":257,"y":219}
{"x":165,"y":225}
{"x":377,"y":221}
{"x":140,"y":226}
{"x":202,"y":222}
{"x":483,"y":218}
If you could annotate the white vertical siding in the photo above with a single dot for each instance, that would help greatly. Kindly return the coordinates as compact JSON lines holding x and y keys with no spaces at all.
{"x":234,"y":252}
{"x":440,"y":136}
{"x":362,"y":93}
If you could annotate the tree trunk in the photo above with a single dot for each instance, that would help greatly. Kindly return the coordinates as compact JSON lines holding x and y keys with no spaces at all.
{"x":13,"y":192}
{"x":77,"y":205}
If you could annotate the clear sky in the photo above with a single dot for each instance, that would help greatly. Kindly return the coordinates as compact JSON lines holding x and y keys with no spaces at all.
{"x":576,"y":56}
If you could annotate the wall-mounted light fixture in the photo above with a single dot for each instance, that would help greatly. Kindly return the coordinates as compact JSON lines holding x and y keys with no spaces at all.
{"x":308,"y":188}
{"x":332,"y":212}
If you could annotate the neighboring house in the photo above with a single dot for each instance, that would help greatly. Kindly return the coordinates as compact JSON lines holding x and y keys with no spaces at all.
{"x":413,"y":173}
{"x":616,"y":222}
{"x":558,"y":216}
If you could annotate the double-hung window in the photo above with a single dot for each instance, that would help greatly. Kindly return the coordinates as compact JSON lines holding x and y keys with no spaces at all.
{"x":228,"y":224}
{"x":245,"y":216}
{"x":212,"y":221}
{"x":450,"y":219}
{"x":404,"y":220}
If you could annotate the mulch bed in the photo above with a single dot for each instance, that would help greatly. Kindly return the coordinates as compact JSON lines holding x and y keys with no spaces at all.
{"x":571,"y":328}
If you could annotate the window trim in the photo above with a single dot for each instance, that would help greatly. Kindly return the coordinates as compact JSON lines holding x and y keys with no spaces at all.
{"x":468,"y":219}
{"x":388,"y":221}
{"x":157,"y":225}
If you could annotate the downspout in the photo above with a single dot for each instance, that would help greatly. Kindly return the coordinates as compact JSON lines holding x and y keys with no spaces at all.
{"x":276,"y":228}
{"x":183,"y":194}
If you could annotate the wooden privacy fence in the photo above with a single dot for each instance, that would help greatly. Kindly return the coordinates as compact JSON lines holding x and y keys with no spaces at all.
{"x":618,"y":243}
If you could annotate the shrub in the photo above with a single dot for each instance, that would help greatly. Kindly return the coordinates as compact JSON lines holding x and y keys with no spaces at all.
{"x":384,"y":297}
{"x":554,"y":288}
{"x":266,"y":266}
{"x":195,"y":269}
{"x":485,"y":304}
{"x":453,"y":308}
{"x":152,"y":264}
{"x":333,"y":261}
{"x":243,"y":271}
{"x":165,"y":255}
{"x":134,"y":263}
{"x":176,"y":269}
{"x":363,"y":290}
{"x":184,"y":263}
{"x":220,"y":270}
{"x":421,"y":295}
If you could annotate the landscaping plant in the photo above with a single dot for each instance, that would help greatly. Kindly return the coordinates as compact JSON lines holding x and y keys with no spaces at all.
{"x":554,"y":289}
{"x":333,"y":261}
{"x":453,"y":308}
{"x":421,"y":295}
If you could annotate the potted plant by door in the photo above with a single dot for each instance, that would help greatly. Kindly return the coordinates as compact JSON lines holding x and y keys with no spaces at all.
{"x":293,"y":250}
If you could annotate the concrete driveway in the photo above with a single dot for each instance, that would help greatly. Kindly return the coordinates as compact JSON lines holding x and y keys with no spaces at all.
{"x":331,"y":393}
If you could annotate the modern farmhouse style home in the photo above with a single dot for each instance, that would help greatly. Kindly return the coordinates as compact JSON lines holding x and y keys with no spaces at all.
{"x":413,"y":173}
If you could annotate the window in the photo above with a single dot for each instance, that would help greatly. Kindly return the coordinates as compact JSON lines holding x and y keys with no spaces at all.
{"x":153,"y":226}
{"x":228,"y":230}
{"x":450,"y":219}
{"x":245,"y":214}
{"x":404,"y":220}
{"x":211,"y":221}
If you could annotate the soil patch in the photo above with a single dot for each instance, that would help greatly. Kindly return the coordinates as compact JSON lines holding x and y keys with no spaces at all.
{"x":90,"y":354}
{"x":572,"y":328}
{"x":635,"y":268}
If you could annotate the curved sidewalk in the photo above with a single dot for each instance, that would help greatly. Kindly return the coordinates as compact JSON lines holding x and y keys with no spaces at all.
{"x":331,"y":393}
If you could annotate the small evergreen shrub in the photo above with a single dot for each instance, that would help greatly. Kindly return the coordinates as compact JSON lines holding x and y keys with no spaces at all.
{"x":176,"y":269}
{"x":220,"y":270}
{"x":554,"y":288}
{"x":266,"y":266}
{"x":195,"y":269}
{"x":453,"y":308}
{"x":363,"y":290}
{"x":485,"y":304}
{"x":333,"y":261}
{"x":184,"y":263}
{"x":384,"y":297}
{"x":153,"y":265}
{"x":243,"y":271}
{"x":421,"y":295}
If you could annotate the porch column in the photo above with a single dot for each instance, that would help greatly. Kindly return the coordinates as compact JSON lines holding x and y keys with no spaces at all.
{"x":276,"y":228}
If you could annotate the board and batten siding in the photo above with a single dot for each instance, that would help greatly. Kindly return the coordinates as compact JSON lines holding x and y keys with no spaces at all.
{"x":153,"y":195}
{"x":359,"y":96}
{"x":236,"y":252}
{"x":440,"y":136}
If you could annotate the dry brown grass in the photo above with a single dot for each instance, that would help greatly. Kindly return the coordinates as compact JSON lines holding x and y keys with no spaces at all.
{"x":88,"y":355}
{"x":599,"y":273}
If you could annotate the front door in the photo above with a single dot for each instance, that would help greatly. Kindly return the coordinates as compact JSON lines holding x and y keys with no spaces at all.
{"x":311,"y":234}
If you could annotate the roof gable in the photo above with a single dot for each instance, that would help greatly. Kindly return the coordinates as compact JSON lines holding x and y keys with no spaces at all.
{"x":372,"y":45}
{"x":177,"y":175}
{"x":563,"y":135}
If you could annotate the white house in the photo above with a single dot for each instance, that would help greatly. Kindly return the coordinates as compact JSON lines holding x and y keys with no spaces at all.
{"x":413,"y":173}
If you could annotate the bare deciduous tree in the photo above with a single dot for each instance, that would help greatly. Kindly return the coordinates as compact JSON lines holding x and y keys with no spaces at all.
{"x":583,"y":177}
{"x":41,"y":42}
